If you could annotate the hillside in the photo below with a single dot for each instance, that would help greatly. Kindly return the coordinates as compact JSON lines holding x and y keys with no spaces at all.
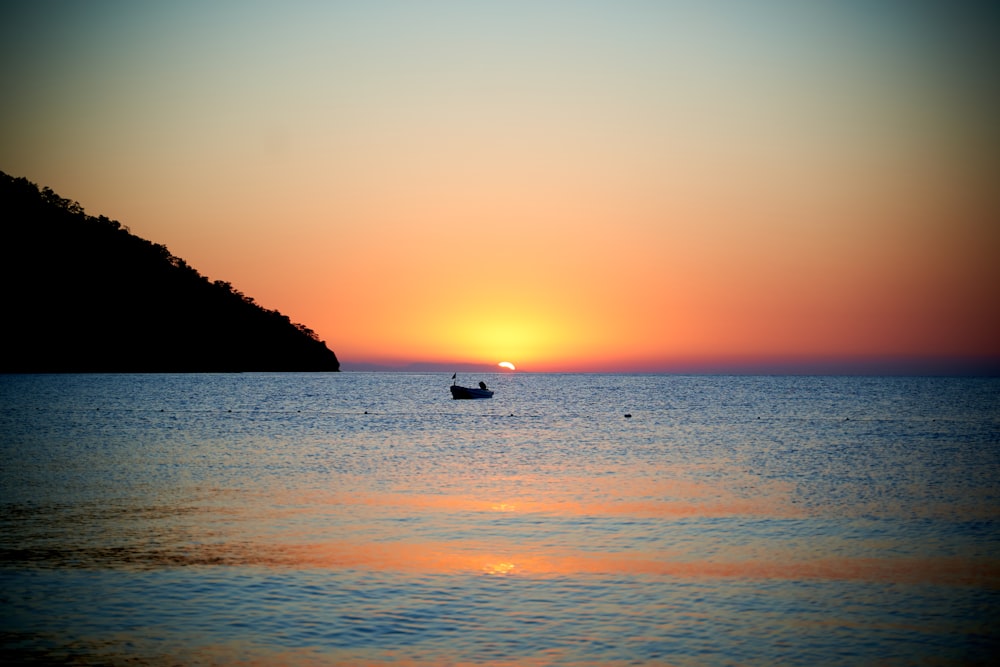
{"x":83,"y":294}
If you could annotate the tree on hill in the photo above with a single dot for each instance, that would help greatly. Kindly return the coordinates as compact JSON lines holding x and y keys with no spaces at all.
{"x":83,"y":294}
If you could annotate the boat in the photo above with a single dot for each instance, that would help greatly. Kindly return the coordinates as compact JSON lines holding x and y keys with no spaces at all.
{"x":458,"y":391}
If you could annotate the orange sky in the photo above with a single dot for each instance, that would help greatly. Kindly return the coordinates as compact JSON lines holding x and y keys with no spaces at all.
{"x":565,"y":185}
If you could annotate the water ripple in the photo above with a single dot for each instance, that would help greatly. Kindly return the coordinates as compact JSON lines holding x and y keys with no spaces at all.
{"x":267,"y":519}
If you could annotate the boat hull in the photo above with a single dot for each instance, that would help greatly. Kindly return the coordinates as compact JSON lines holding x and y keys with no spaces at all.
{"x":469,"y":392}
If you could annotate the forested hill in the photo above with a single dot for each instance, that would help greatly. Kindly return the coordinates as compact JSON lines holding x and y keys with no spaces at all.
{"x":83,"y":294}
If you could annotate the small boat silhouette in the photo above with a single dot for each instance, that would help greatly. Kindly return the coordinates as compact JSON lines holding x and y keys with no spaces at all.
{"x":458,"y":391}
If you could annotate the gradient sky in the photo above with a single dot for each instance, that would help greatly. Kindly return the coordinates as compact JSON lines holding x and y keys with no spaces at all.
{"x":628,"y":185}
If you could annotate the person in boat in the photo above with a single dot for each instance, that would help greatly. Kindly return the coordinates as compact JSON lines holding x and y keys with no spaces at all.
{"x":482,"y":385}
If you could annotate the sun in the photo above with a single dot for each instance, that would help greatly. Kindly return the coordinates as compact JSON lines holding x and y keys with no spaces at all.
{"x":506,"y":364}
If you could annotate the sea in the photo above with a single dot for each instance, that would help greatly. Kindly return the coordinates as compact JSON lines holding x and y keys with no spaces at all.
{"x":573,"y":519}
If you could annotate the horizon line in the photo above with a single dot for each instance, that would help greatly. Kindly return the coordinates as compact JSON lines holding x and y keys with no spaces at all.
{"x":882,"y":366}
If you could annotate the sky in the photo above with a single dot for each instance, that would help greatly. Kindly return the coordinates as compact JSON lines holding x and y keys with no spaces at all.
{"x":665,"y":186}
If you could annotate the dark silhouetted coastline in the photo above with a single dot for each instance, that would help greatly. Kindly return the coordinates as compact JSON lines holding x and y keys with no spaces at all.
{"x":83,"y":294}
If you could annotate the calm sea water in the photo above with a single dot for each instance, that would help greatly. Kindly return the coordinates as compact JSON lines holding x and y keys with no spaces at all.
{"x":362,"y":518}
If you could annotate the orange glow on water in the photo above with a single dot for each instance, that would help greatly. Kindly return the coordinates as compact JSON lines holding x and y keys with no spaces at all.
{"x":508,"y":560}
{"x":540,"y":557}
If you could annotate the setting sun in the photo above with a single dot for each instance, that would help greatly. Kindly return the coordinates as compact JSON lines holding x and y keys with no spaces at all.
{"x":506,"y":364}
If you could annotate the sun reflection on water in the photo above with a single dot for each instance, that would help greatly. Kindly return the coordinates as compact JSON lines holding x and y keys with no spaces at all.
{"x":502,"y":568}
